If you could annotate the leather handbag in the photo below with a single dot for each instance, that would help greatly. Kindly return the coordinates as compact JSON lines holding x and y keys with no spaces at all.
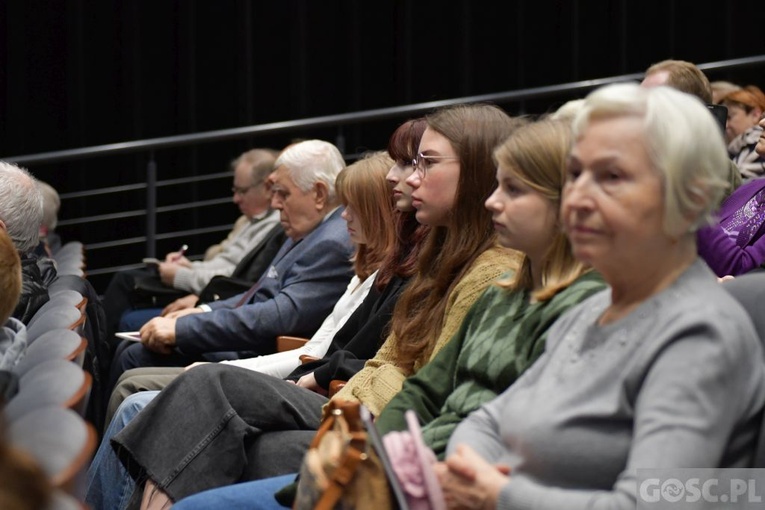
{"x":340,"y":469}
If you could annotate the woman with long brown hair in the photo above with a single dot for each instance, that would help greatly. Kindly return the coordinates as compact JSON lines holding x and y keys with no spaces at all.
{"x":506,"y":331}
{"x":234,"y":441}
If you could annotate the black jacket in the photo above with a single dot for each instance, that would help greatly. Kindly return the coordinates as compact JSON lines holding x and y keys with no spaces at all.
{"x":36,"y":275}
{"x":358,"y":340}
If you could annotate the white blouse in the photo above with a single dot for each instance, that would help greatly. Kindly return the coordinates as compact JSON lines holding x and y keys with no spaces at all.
{"x":281,"y":364}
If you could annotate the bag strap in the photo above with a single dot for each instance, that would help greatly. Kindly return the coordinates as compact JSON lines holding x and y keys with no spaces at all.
{"x":326,"y":425}
{"x":336,"y":408}
{"x":353,"y":456}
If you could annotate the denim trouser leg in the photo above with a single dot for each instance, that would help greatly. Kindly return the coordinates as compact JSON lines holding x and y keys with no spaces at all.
{"x":197,"y":434}
{"x":109,"y":487}
{"x":257,"y":495}
{"x":133,"y":320}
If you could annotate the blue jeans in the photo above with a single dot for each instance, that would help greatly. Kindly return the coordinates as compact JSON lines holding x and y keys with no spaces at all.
{"x":257,"y":495}
{"x":132,"y":320}
{"x":109,"y":486}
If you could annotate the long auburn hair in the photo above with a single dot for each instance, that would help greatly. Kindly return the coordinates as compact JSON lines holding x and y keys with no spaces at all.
{"x":363,"y":188}
{"x":401,"y":261}
{"x":473,"y":131}
{"x":536,"y":154}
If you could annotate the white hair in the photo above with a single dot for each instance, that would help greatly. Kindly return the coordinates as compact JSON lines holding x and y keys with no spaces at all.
{"x":51,"y":205}
{"x":312,"y":161}
{"x":21,"y":206}
{"x":683,"y":141}
{"x":567,"y":111}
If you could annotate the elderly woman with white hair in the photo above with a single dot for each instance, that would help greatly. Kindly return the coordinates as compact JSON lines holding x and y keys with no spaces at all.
{"x":662,"y":370}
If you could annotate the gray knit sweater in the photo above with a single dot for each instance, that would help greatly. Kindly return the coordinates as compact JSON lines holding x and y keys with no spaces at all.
{"x":677,"y":383}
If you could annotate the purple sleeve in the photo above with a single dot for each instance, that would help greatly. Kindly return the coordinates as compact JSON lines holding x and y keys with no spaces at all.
{"x":720,"y":251}
{"x":724,"y":257}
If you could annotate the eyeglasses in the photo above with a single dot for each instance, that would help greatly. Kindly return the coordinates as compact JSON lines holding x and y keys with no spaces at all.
{"x":422,"y":163}
{"x":236,"y":190}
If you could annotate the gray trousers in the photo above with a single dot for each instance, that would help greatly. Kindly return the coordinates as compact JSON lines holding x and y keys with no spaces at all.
{"x":139,"y":379}
{"x":217,"y":425}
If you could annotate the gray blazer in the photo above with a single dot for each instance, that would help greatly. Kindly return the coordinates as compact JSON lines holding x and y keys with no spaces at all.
{"x":293,"y":297}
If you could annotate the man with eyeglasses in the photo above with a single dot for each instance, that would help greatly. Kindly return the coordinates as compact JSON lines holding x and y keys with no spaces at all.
{"x":304,"y":280}
{"x":256,"y":233}
{"x":252,"y":195}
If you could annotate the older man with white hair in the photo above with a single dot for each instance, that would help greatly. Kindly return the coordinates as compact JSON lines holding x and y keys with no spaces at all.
{"x":306,"y":277}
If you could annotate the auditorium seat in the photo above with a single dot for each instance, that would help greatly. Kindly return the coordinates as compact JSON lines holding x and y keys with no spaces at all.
{"x":63,"y":298}
{"x":54,"y":382}
{"x":62,"y":344}
{"x":63,"y":316}
{"x":61,"y":442}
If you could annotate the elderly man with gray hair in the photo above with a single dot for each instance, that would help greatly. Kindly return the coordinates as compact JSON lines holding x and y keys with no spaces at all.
{"x":21,"y":213}
{"x":302,"y":284}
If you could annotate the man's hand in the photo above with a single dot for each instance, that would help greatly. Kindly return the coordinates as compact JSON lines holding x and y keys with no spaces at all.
{"x":183,"y":313}
{"x":177,"y":257}
{"x":167,"y":272}
{"x":183,"y":303}
{"x":158,"y":335}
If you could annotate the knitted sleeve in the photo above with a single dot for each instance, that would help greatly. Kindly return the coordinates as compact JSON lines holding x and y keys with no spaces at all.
{"x":380,"y":379}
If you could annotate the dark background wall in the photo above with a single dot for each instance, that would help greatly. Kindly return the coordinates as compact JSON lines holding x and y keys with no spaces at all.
{"x":78,"y":73}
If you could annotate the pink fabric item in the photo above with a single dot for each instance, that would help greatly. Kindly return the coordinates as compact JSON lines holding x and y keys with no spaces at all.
{"x":413,"y":463}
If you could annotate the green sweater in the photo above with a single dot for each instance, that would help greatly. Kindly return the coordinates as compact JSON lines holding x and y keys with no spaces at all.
{"x":501,"y":336}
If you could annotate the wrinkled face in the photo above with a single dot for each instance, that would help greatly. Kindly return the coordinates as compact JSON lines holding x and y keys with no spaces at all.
{"x":402,"y":192}
{"x":435,"y":180}
{"x":252,"y":198}
{"x":300,"y":211}
{"x":613,"y":206}
{"x":524,"y":219}
{"x":739,"y":121}
{"x":760,"y":148}
{"x":355,"y":229}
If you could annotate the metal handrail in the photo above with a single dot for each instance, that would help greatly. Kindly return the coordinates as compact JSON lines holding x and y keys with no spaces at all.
{"x":152,"y":144}
{"x":347,"y":118}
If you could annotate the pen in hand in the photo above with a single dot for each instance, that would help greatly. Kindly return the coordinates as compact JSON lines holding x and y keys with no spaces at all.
{"x":180,"y":253}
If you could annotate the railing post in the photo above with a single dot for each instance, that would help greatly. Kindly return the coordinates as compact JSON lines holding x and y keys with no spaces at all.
{"x":340,"y":140}
{"x":151,"y":207}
